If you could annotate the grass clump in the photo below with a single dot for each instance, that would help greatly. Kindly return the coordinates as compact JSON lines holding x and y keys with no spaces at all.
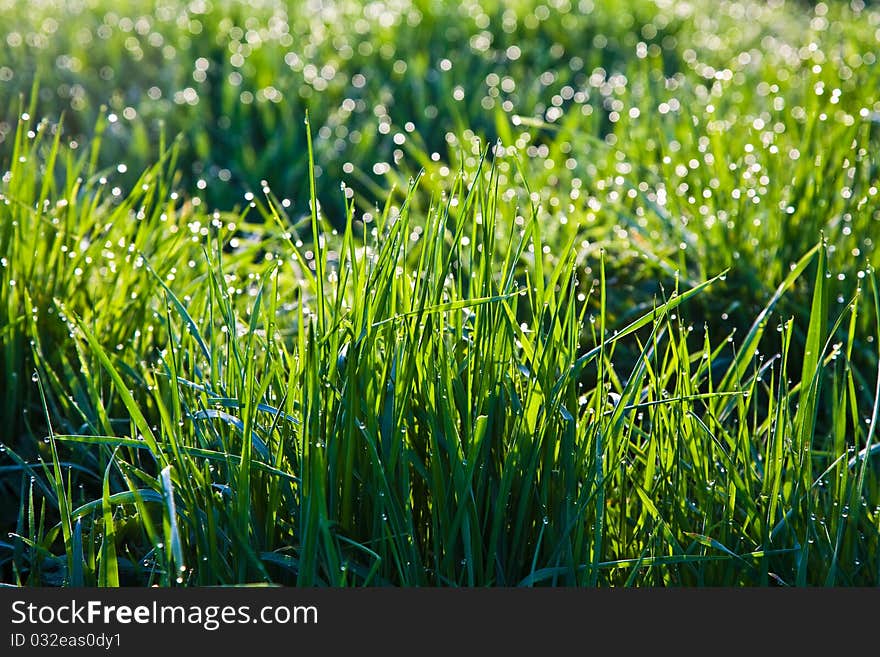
{"x":595,"y":303}
{"x":429,"y":402}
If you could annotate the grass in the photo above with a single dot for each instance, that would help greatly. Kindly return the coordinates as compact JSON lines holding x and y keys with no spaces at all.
{"x":635,"y":344}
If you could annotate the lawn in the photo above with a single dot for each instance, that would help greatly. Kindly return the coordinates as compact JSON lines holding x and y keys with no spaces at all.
{"x":430,"y":293}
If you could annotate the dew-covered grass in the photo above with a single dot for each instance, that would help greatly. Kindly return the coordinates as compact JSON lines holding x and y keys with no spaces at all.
{"x":419,"y":293}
